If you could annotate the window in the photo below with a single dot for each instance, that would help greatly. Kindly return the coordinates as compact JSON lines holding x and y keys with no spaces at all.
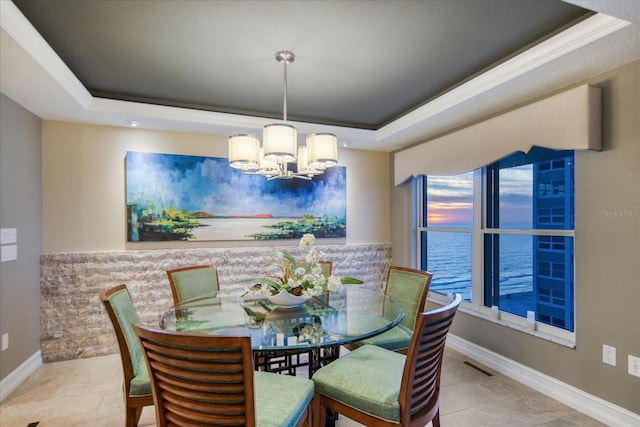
{"x":447,"y":237}
{"x":503,"y":235}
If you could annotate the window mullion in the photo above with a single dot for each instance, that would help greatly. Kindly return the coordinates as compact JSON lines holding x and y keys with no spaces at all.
{"x":420,"y":213}
{"x":477,"y":238}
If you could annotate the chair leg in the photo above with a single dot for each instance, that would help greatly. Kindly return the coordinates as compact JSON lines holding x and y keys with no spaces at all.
{"x":309,"y":417}
{"x":133,"y":416}
{"x":319,"y":412}
{"x":435,"y":422}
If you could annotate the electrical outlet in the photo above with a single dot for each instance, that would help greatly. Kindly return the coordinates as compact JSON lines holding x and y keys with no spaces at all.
{"x":5,"y":341}
{"x":634,"y":365}
{"x":608,"y":355}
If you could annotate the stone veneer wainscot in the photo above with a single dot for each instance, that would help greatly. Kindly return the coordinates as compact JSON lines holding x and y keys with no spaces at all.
{"x":75,"y":325}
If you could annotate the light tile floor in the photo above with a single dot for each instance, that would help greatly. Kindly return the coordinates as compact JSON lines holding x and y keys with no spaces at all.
{"x":87,"y":392}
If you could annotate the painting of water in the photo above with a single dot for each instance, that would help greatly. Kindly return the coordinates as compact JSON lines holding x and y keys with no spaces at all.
{"x":179,"y":197}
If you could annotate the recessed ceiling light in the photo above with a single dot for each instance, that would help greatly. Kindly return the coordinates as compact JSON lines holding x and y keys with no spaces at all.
{"x":132,"y":123}
{"x":345,"y":144}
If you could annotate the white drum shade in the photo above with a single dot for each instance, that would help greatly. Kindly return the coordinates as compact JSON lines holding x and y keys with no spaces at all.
{"x":266,"y":167}
{"x":244,"y":151}
{"x":280,"y":142}
{"x":322,"y":150}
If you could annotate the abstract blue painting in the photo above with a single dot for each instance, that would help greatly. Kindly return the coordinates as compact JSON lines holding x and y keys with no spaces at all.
{"x":178,"y":197}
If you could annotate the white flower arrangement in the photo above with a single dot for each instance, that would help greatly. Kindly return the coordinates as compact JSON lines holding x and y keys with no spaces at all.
{"x":304,"y":278}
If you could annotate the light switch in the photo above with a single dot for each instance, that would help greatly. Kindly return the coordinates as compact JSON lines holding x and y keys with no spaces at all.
{"x":634,"y":365}
{"x":8,"y":253}
{"x":609,"y":355}
{"x":8,"y":236}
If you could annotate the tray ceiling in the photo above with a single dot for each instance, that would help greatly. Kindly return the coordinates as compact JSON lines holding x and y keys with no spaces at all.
{"x":360,"y":66}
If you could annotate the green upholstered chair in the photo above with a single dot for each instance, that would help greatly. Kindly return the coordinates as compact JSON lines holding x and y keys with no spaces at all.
{"x":189,"y":283}
{"x":137,"y":388}
{"x":203,"y":380}
{"x":379,"y":387}
{"x":409,"y":288}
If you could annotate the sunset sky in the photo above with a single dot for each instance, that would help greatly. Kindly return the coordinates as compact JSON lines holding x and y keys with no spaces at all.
{"x":450,"y":198}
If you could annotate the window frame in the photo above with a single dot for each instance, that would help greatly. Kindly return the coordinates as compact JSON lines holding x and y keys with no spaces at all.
{"x":476,"y":307}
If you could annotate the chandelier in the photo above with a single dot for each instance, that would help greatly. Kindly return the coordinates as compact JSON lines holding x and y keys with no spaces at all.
{"x":280,"y":146}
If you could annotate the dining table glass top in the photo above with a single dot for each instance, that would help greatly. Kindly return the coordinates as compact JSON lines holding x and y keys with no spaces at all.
{"x":347,"y":315}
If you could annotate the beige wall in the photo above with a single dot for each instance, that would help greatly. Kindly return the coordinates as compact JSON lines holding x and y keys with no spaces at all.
{"x":607,"y":251}
{"x":20,"y":208}
{"x":83,"y":210}
{"x":84,"y":187}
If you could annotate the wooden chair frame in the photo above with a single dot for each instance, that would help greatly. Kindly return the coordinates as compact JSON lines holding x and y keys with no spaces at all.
{"x":202,"y":379}
{"x":174,"y":286}
{"x":133,"y":404}
{"x":419,"y":397}
{"x":421,"y":300}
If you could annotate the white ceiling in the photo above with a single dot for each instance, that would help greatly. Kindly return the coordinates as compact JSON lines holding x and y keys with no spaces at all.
{"x":34,"y":75}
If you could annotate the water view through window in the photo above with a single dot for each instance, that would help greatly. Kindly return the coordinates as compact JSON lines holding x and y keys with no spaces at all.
{"x":527,"y":239}
{"x":449,"y":259}
{"x":450,"y":207}
{"x":448,"y":253}
{"x":513,"y":292}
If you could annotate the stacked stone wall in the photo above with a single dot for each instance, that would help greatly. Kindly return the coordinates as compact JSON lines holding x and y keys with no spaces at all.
{"x":75,"y":325}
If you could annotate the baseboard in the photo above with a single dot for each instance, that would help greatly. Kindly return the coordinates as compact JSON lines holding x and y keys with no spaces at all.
{"x":15,"y":378}
{"x":573,"y":397}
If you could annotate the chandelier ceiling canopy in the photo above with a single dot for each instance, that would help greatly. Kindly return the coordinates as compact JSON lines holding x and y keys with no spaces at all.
{"x":280,"y":146}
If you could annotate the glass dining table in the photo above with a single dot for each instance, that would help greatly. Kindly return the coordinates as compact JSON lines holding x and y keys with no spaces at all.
{"x":317,"y":327}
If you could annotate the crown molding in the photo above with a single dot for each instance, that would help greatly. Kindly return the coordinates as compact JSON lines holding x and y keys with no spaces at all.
{"x":26,"y":36}
{"x":406,"y":130}
{"x":581,"y":34}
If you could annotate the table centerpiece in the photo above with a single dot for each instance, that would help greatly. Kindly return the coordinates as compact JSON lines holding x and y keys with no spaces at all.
{"x":289,"y":283}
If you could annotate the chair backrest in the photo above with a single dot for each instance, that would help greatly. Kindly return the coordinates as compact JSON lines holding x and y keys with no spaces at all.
{"x":420,"y":389}
{"x":408,"y":287}
{"x":327,"y":266}
{"x":188,"y":283}
{"x":122,"y":313}
{"x":199,"y":379}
